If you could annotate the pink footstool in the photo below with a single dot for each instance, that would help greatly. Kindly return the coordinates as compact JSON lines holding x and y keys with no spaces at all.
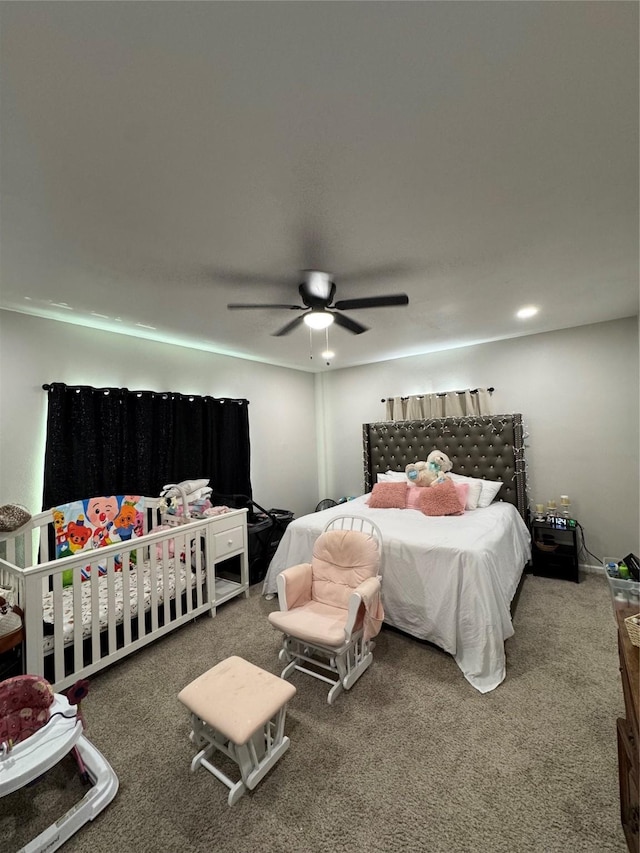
{"x":238,"y":709}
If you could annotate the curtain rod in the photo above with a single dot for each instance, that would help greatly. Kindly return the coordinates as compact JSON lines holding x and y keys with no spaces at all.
{"x":441,"y":394}
{"x":78,"y":388}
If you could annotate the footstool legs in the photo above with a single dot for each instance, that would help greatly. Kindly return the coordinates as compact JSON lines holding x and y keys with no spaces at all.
{"x":239,"y":710}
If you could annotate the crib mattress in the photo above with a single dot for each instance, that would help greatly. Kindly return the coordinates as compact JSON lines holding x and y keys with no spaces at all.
{"x":152,"y":576}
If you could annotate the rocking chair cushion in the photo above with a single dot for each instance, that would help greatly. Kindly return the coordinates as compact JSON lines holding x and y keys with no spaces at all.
{"x":314,"y":622}
{"x":342,"y":559}
{"x":297,"y":585}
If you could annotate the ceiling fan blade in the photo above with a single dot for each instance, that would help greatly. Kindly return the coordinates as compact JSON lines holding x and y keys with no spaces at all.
{"x":288,"y":328}
{"x":348,"y":323}
{"x":372,"y":301}
{"x":235,"y":306}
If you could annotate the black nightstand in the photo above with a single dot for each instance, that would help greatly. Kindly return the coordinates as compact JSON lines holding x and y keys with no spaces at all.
{"x":555,"y":549}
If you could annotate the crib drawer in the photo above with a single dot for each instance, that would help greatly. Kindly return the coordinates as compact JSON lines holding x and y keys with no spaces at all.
{"x":229,"y":541}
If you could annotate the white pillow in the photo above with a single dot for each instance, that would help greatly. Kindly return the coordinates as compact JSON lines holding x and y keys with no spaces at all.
{"x":393,"y":477}
{"x":490,"y":489}
{"x":475,"y":489}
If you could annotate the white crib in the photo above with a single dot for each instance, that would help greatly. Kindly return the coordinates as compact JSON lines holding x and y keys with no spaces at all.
{"x":136,"y":592}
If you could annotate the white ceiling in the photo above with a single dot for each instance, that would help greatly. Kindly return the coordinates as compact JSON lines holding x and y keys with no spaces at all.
{"x":160,"y":160}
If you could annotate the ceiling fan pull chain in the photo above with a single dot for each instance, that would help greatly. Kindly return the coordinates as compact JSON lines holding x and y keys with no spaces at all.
{"x":310,"y":342}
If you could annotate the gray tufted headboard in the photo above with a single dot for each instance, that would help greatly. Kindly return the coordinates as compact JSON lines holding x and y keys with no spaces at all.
{"x":488,"y":446}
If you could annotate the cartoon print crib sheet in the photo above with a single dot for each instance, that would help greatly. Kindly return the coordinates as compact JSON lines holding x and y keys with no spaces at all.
{"x":153,"y":577}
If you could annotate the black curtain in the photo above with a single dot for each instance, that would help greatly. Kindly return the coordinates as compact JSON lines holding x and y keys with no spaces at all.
{"x":112,"y":441}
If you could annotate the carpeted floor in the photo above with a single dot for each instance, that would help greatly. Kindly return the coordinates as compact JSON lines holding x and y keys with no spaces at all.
{"x":412,"y":759}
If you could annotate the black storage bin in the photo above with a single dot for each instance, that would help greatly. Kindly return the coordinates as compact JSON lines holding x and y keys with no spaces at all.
{"x":282,"y":518}
{"x":266,"y":541}
{"x":265,"y":528}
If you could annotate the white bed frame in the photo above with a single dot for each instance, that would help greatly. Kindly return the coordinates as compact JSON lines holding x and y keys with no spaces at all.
{"x":28,"y":572}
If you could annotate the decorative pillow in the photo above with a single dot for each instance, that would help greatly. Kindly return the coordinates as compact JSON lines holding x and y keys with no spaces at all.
{"x":393,"y":477}
{"x":463,"y":493}
{"x":414,"y":496}
{"x":441,"y":499}
{"x":388,"y":496}
{"x":13,"y":516}
{"x":475,"y":489}
{"x":490,"y":489}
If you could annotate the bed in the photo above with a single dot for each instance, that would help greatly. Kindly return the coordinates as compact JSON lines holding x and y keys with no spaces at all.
{"x":87,"y":610}
{"x":449,"y":580}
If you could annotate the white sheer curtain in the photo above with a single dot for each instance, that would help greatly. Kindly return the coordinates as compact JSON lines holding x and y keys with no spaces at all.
{"x":450,"y":404}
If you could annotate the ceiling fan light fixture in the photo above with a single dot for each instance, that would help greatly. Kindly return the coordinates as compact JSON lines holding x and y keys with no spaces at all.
{"x":318,"y":319}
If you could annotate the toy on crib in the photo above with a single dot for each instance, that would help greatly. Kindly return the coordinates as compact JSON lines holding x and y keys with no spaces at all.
{"x":431,"y":472}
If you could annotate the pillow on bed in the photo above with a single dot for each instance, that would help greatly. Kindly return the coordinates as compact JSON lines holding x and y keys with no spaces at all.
{"x":490,"y":489}
{"x":463,"y":493}
{"x":388,"y":496}
{"x":442,"y":499}
{"x":475,"y":489}
{"x":414,"y":495}
{"x":393,"y":477}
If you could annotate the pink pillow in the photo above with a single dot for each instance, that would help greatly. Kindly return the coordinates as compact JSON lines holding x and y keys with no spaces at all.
{"x":442,"y":499}
{"x":388,"y":496}
{"x":414,"y":497}
{"x":463,"y":491}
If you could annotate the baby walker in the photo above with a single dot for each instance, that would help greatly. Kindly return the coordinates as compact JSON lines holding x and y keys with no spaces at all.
{"x":53,"y":729}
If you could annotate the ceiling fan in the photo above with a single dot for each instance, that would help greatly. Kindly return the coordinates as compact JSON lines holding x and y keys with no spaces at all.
{"x":317,"y":291}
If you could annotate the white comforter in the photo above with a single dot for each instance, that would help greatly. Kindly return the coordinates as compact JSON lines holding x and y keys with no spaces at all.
{"x":446,"y":579}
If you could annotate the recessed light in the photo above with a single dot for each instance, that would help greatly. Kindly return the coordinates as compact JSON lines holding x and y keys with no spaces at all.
{"x":526,"y":312}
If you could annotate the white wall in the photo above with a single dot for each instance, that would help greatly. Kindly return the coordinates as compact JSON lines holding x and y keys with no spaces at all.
{"x":577,"y":390}
{"x":34,"y":352}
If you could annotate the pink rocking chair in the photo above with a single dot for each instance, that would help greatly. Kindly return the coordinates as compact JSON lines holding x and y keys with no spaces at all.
{"x":330,"y":608}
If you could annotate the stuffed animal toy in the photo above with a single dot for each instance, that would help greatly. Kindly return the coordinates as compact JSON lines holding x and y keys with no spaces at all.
{"x":431,"y":472}
{"x":419,"y":474}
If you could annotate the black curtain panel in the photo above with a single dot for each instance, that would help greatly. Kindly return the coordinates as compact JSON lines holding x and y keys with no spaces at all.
{"x":105,"y":441}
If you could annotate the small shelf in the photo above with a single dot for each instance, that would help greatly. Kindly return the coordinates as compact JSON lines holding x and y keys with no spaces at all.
{"x":226,"y":589}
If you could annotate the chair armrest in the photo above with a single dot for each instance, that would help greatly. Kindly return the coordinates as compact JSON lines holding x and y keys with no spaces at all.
{"x":367,"y":595}
{"x":294,"y":586}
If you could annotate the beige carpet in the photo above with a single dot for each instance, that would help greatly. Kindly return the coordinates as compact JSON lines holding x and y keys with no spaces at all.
{"x":412,"y":759}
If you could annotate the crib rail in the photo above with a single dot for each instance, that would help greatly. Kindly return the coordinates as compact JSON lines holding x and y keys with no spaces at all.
{"x":141,"y":589}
